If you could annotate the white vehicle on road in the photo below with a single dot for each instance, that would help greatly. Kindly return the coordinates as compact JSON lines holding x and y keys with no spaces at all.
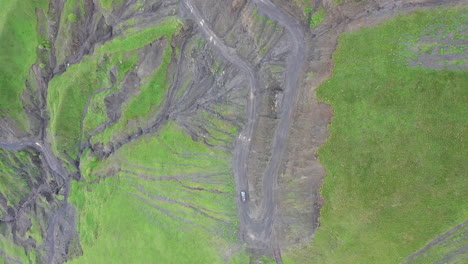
{"x":243,"y":196}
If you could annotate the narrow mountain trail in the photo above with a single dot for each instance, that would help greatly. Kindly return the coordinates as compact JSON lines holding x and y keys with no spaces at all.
{"x":256,"y":232}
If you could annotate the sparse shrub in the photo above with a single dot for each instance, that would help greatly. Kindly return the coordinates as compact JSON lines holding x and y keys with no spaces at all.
{"x":317,"y":18}
{"x":72,"y":17}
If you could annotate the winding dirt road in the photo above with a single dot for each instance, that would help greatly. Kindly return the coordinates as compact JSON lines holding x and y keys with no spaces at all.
{"x":263,"y":226}
{"x":257,"y":231}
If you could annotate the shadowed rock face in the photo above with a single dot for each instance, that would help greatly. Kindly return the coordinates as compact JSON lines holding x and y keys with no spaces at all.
{"x":253,"y":65}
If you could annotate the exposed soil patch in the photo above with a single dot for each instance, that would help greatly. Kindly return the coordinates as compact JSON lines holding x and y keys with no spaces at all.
{"x":441,"y":51}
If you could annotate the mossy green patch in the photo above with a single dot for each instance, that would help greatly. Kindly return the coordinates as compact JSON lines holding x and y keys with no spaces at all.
{"x":18,"y":173}
{"x":69,"y":92}
{"x":97,"y":113}
{"x":143,"y":235}
{"x":11,"y":253}
{"x":174,"y":147}
{"x":126,"y":65}
{"x":317,"y":18}
{"x":449,"y":248}
{"x":165,"y":198}
{"x":110,"y":4}
{"x":73,"y":11}
{"x":18,"y":53}
{"x":36,"y":231}
{"x":72,"y":18}
{"x":67,"y":98}
{"x":152,"y":93}
{"x":219,"y":132}
{"x":264,"y":50}
{"x":167,"y":28}
{"x":396,"y":160}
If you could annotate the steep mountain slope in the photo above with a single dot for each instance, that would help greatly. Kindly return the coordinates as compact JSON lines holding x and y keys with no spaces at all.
{"x":128,"y":128}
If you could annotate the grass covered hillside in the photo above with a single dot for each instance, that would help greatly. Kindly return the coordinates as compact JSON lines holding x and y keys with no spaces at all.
{"x":147,"y":193}
{"x":397,"y":156}
{"x":18,"y":52}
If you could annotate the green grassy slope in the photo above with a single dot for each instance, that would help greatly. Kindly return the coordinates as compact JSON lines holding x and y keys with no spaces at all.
{"x":14,"y":186}
{"x":447,"y":249}
{"x":152,"y":94}
{"x":142,"y":208}
{"x":7,"y":7}
{"x":11,"y":252}
{"x":19,"y":41}
{"x":69,"y":92}
{"x":109,"y":4}
{"x":397,"y":157}
{"x":163,"y":198}
{"x":18,"y":173}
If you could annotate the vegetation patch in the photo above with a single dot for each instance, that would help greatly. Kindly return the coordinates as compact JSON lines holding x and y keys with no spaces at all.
{"x":338,"y":2}
{"x":69,"y":92}
{"x":67,"y":98}
{"x":96,"y":113}
{"x":17,"y":175}
{"x":152,"y":94}
{"x":441,"y":47}
{"x":268,"y":21}
{"x":306,"y":5}
{"x":317,"y":18}
{"x":72,"y":18}
{"x":180,"y":192}
{"x":18,"y":53}
{"x":110,"y":4}
{"x":264,"y":50}
{"x":396,"y":160}
{"x":451,"y":246}
{"x":11,"y":253}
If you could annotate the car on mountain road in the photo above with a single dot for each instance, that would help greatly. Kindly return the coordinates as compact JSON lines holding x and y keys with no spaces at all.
{"x":243,"y":196}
